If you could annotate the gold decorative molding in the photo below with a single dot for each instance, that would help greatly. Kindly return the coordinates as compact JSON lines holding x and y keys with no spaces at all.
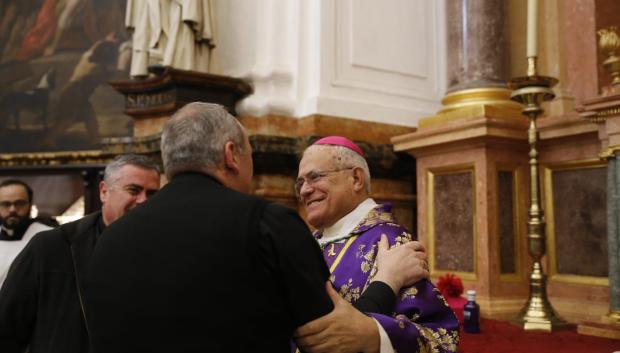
{"x":54,"y":159}
{"x":554,"y":276}
{"x":478,"y":96}
{"x":598,"y":116}
{"x":612,"y":318}
{"x":609,"y":152}
{"x":473,"y":103}
{"x":577,"y":279}
{"x":110,"y":148}
{"x":430,"y":230}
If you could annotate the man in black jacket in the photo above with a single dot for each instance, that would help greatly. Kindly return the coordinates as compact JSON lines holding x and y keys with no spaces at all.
{"x":203,"y":266}
{"x":41,"y":301}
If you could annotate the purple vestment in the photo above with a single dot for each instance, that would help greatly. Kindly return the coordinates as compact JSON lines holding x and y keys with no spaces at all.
{"x":422,"y":321}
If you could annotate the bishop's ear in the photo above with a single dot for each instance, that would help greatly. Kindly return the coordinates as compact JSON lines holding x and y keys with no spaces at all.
{"x":359,"y":179}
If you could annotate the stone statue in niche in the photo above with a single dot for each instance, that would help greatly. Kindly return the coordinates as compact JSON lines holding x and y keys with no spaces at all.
{"x":169,"y":33}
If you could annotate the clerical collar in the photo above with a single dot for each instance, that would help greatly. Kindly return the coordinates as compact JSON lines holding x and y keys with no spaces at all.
{"x":8,"y":231}
{"x":346,"y":224}
{"x":17,"y":233}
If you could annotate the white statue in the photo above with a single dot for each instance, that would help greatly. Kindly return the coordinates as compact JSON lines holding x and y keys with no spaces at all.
{"x":172,"y":33}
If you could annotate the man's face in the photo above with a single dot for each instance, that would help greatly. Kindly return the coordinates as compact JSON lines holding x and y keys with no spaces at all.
{"x":134,"y":186}
{"x":329,"y":197}
{"x":14,"y":206}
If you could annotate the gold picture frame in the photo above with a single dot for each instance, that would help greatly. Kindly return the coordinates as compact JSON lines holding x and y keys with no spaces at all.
{"x":430,"y":192}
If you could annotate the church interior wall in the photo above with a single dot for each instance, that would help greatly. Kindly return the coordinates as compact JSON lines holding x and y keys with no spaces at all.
{"x":331,"y":58}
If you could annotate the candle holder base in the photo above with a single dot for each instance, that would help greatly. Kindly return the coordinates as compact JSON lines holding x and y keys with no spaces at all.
{"x":538,"y":315}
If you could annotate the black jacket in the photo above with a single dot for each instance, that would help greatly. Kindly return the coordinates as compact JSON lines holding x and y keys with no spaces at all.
{"x":202,"y":268}
{"x":40,"y":303}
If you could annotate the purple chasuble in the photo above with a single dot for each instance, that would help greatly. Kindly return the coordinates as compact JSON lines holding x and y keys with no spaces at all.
{"x":422,"y":321}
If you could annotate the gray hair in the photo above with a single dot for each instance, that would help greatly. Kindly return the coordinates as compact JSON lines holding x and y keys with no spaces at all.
{"x":112,"y":170}
{"x":344,"y":157}
{"x":194,"y":138}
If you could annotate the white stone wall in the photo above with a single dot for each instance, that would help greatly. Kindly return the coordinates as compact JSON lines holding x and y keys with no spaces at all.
{"x":372,"y":60}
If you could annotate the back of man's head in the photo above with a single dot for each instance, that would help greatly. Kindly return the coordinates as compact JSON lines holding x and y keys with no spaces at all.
{"x":194,"y":138}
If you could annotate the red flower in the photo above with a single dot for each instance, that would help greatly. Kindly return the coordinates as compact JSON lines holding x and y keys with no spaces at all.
{"x":450,"y":285}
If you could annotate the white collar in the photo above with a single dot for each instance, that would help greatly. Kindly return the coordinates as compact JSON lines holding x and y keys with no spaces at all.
{"x":346,"y":224}
{"x":8,"y":231}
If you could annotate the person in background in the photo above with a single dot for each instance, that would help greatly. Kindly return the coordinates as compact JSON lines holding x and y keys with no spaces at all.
{"x":42,"y":300}
{"x":16,"y":225}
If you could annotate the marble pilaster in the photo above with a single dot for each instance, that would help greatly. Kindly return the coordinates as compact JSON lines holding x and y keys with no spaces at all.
{"x":613,"y":232}
{"x":605,"y":111}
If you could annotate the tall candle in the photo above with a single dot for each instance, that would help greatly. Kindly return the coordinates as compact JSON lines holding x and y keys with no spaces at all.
{"x":532,"y":22}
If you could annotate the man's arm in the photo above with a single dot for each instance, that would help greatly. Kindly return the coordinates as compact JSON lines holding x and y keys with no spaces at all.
{"x":18,"y":302}
{"x":297,"y":260}
{"x":355,"y":331}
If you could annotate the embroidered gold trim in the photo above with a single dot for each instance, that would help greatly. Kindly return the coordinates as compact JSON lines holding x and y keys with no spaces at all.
{"x":341,"y":253}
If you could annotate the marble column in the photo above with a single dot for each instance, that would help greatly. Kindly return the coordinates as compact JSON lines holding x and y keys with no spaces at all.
{"x":613,"y":233}
{"x":477,"y":51}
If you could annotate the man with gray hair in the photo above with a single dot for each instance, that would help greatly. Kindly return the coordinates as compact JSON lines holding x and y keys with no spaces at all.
{"x":204,"y":266}
{"x":41,"y":301}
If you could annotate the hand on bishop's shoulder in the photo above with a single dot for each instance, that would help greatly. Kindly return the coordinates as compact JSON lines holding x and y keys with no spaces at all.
{"x":400,"y":266}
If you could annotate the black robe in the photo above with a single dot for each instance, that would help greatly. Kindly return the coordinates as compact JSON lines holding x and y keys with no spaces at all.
{"x":202,"y":268}
{"x":40,"y":298}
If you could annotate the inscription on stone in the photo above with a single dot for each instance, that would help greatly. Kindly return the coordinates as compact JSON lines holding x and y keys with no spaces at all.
{"x":149,"y":100}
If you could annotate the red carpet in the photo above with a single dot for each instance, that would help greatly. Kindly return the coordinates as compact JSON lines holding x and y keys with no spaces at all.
{"x":502,"y":337}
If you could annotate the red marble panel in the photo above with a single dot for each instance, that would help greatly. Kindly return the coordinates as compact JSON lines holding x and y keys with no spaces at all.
{"x":454,"y":228}
{"x":580,"y":221}
{"x":506,"y":222}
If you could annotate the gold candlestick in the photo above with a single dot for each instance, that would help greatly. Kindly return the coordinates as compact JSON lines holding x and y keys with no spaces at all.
{"x":532,"y":91}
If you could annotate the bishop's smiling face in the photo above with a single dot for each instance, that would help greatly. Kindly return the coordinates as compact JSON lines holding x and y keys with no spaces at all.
{"x":328,"y":197}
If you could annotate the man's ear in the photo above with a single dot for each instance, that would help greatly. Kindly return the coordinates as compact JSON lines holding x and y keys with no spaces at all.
{"x":103,"y":191}
{"x":231,"y":157}
{"x":359,"y":179}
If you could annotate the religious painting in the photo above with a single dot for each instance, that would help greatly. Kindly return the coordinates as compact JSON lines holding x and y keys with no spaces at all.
{"x":56,"y":57}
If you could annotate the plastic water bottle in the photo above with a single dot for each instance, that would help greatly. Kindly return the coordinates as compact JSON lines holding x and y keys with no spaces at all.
{"x":471,"y":313}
